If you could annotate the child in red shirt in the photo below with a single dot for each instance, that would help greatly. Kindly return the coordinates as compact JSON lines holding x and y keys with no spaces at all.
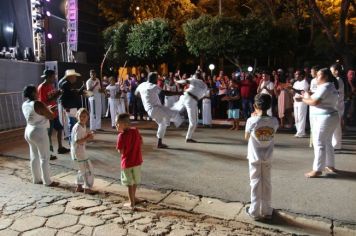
{"x":129,"y":142}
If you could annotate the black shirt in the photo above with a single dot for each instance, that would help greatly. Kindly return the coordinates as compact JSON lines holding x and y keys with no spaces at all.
{"x":71,"y":96}
{"x":234,"y":104}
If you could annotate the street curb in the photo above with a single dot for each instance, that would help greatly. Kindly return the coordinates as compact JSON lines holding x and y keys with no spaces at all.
{"x":230,"y":211}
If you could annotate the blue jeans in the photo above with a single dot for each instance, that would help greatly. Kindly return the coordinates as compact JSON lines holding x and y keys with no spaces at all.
{"x":247,"y":107}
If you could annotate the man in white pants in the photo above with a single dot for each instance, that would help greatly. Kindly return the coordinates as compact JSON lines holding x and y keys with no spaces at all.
{"x":300,"y":108}
{"x":149,"y":92}
{"x":196,"y":91}
{"x":337,"y":136}
{"x":93,"y":85}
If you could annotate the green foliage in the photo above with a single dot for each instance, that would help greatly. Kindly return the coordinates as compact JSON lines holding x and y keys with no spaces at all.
{"x":116,"y":36}
{"x":211,"y":36}
{"x":150,"y":41}
{"x":219,"y":36}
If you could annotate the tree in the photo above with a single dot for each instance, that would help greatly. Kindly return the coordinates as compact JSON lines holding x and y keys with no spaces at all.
{"x":336,"y":34}
{"x":150,"y":41}
{"x":116,"y":37}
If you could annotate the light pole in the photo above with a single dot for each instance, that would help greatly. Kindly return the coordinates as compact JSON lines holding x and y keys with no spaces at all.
{"x":219,"y":7}
{"x":211,"y":68}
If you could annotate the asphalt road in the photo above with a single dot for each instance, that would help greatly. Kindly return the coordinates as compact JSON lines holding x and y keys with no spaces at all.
{"x":217,"y":167}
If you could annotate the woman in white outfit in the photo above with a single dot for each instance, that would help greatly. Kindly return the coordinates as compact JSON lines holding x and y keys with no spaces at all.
{"x":113,"y":91}
{"x":300,"y":86}
{"x":207,"y":119}
{"x":325,"y":118}
{"x":336,"y":70}
{"x":37,"y":117}
{"x":93,"y":84}
{"x":266,"y":86}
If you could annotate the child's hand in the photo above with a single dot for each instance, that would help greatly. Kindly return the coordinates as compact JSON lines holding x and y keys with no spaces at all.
{"x":90,"y":136}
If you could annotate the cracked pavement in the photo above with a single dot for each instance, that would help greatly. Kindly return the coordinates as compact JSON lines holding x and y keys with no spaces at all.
{"x":30,"y":209}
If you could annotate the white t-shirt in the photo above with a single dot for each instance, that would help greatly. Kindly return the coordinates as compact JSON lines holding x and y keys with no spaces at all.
{"x":261,"y":141}
{"x":328,"y":96}
{"x":149,"y":95}
{"x":113,"y":90}
{"x":90,"y":83}
{"x":301,"y":85}
{"x":197,"y":87}
{"x":313,"y":85}
{"x":32,"y":117}
{"x":78,"y":150}
{"x":268,"y":84}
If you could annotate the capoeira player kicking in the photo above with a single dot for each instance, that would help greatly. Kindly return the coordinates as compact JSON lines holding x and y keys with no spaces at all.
{"x":196,"y":91}
{"x":160,"y":114}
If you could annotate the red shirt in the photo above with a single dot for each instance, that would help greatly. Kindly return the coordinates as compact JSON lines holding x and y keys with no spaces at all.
{"x":44,"y":92}
{"x":247,"y":89}
{"x":129,"y":143}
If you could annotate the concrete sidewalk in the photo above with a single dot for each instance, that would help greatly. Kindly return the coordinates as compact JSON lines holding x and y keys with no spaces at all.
{"x":29,"y":209}
{"x":38,"y":210}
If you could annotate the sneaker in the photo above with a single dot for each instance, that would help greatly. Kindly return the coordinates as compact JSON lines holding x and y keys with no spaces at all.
{"x":53,"y":184}
{"x":89,"y":191}
{"x":191,"y":140}
{"x":63,"y":150}
{"x":251,"y":216}
{"x":162,"y":145}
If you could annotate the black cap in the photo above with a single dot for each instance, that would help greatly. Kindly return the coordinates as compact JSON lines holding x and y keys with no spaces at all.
{"x":47,"y":73}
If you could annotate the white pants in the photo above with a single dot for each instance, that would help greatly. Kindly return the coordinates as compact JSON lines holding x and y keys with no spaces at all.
{"x":261,"y":189}
{"x":113,"y":105}
{"x":337,"y":136}
{"x":191,"y":105}
{"x":323,"y":128}
{"x":121,"y":107}
{"x":85,"y":174}
{"x":162,"y":115}
{"x":38,"y":141}
{"x":170,"y":100}
{"x":300,"y":116}
{"x":207,"y":120}
{"x":95,"y":112}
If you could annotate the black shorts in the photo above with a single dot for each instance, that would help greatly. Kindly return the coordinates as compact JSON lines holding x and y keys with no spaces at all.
{"x":56,"y":124}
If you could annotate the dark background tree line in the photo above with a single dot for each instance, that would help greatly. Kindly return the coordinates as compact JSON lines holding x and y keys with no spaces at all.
{"x":267,"y":33}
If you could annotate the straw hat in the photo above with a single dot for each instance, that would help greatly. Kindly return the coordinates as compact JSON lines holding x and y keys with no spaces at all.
{"x":70,"y":72}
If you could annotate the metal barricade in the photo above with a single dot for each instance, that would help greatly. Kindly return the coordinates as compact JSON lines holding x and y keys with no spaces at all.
{"x":11,"y":116}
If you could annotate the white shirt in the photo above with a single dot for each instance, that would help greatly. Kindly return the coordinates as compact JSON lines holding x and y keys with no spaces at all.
{"x":113,"y":90}
{"x":197,"y":87}
{"x":78,"y":150}
{"x":261,"y":141}
{"x":32,"y":117}
{"x":301,"y":85}
{"x":149,"y":95}
{"x":269,"y":84}
{"x":90,"y":83}
{"x":328,"y":96}
{"x":313,"y":85}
